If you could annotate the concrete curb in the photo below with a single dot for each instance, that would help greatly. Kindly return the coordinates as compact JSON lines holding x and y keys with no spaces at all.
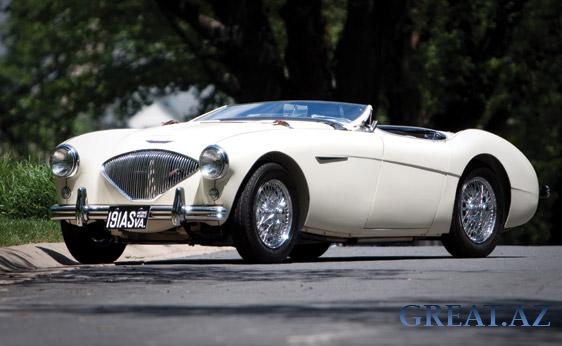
{"x":31,"y":257}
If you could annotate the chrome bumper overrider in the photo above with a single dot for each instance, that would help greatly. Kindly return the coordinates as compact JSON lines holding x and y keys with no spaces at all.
{"x":178,"y":212}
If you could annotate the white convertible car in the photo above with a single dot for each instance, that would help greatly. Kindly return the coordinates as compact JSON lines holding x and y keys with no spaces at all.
{"x":287,"y":179}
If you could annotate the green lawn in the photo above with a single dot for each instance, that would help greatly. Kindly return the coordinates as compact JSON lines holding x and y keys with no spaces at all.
{"x":26,"y":192}
{"x":30,"y":230}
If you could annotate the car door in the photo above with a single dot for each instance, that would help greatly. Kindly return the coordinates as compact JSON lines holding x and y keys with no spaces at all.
{"x":410,"y":184}
{"x":342,"y":178}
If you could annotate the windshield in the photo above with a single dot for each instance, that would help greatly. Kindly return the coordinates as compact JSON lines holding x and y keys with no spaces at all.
{"x":343,"y":113}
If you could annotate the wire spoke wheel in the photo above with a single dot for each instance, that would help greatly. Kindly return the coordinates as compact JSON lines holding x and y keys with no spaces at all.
{"x":478,"y":209}
{"x":273,"y":210}
{"x":266,"y":217}
{"x":478,"y":214}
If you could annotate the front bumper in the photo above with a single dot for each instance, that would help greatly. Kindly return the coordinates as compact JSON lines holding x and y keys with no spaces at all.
{"x":178,"y":212}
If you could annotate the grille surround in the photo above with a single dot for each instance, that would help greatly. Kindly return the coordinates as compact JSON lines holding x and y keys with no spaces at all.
{"x":144,"y":175}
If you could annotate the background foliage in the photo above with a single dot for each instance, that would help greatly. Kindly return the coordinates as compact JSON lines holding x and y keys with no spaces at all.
{"x":75,"y":66}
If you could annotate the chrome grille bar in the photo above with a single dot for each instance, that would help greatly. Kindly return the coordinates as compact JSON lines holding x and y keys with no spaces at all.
{"x":146,"y":174}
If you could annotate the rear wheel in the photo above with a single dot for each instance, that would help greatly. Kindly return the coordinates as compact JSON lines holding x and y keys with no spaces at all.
{"x":91,"y":244}
{"x":308,"y":252}
{"x":266,"y":216}
{"x":478,"y":215}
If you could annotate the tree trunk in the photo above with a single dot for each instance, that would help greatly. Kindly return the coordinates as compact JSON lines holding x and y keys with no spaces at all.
{"x":401,"y":82}
{"x":374,"y":58}
{"x":244,"y":44}
{"x":359,"y":56}
{"x":306,"y":55}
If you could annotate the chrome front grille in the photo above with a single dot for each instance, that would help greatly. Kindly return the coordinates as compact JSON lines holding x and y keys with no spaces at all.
{"x":146,"y":174}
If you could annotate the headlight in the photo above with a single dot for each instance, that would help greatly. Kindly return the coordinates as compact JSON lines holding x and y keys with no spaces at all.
{"x":64,"y":161}
{"x":213,"y":162}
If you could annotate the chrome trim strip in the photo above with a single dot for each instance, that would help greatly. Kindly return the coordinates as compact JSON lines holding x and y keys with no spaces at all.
{"x":158,"y":141}
{"x":422,"y":168}
{"x":525,"y":191}
{"x":178,"y":212}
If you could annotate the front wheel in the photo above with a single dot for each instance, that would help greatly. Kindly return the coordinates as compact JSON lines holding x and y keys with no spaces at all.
{"x":478,"y":215}
{"x":91,"y":244}
{"x":266,"y":218}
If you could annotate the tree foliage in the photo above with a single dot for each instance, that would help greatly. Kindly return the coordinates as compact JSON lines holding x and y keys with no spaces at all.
{"x":67,"y":61}
{"x":491,"y":64}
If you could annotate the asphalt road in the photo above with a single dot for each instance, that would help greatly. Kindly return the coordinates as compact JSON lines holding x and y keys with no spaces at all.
{"x":350,"y":296}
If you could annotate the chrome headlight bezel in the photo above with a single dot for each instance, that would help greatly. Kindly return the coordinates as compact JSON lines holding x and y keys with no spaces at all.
{"x":213,"y":162}
{"x":64,"y":161}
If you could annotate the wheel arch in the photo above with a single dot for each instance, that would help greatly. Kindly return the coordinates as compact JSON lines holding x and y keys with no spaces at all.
{"x":293,"y":168}
{"x":491,"y":162}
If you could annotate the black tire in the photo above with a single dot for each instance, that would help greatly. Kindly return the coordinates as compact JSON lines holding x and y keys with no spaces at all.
{"x":476,"y":239}
{"x":251,"y":247}
{"x":91,"y":244}
{"x":308,"y":252}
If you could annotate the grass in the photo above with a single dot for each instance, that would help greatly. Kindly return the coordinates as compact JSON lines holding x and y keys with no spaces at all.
{"x":26,"y":189}
{"x":26,"y":192}
{"x":24,"y":231}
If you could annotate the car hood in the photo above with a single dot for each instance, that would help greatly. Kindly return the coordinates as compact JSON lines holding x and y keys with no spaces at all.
{"x":200,"y":132}
{"x":188,"y":138}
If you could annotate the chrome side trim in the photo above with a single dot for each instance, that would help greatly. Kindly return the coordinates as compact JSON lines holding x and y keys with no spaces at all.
{"x":178,"y":212}
{"x":422,"y":168}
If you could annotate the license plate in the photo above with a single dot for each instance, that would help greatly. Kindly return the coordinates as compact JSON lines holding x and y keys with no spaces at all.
{"x":127,"y":217}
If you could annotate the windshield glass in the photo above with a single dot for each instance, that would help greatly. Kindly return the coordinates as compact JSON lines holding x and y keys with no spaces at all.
{"x":343,"y":113}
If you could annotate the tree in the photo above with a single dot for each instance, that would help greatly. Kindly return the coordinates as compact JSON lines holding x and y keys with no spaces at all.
{"x":77,"y":59}
{"x":68,"y":62}
{"x":374,"y":57}
{"x":496,"y":65}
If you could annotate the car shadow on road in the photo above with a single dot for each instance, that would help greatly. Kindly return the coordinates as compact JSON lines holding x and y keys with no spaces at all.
{"x":180,"y":274}
{"x":231,"y":270}
{"x":239,"y":261}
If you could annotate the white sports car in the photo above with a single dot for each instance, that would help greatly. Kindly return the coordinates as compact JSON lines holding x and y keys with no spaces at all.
{"x":287,"y":179}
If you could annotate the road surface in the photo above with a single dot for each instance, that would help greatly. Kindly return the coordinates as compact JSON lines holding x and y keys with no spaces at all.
{"x":351,"y":296}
